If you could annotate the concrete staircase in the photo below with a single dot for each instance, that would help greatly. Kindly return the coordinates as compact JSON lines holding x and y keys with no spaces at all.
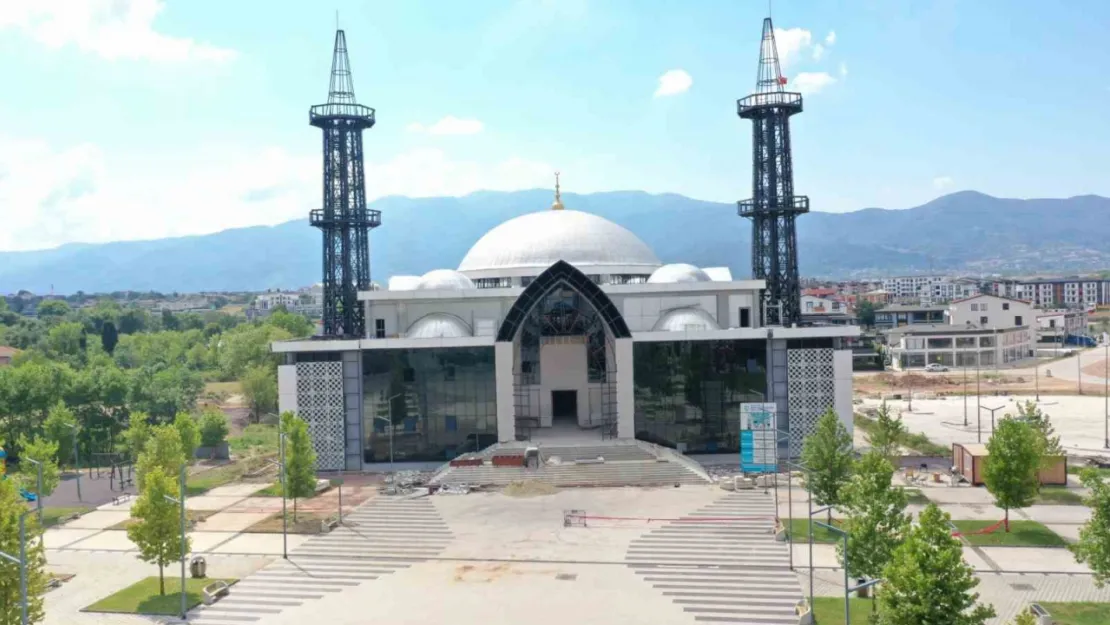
{"x":603,"y":463}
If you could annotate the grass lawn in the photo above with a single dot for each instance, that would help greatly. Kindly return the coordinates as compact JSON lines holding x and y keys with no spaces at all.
{"x":799,"y":532}
{"x":1076,"y":469}
{"x":1059,"y":495}
{"x":230,"y":388}
{"x":922,"y":445}
{"x":274,"y":490}
{"x":1077,"y":613}
{"x":143,"y":597}
{"x":1022,"y":533}
{"x":830,"y":610}
{"x":204,"y":481}
{"x":255,"y":437}
{"x":914,"y":495}
{"x":307,"y":523}
{"x":52,"y":516}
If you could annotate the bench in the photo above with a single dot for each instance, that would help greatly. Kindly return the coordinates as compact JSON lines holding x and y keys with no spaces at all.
{"x":118,"y":499}
{"x":1041,"y":614}
{"x":803,"y":612}
{"x":215,"y":591}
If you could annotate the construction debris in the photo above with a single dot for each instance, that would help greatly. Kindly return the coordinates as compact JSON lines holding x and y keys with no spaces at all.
{"x":454,"y":489}
{"x":529,"y":488}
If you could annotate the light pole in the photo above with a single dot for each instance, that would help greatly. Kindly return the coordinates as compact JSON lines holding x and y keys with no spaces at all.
{"x":284,"y":518}
{"x":38,"y":495}
{"x":389,"y":403}
{"x":992,"y":411}
{"x":180,"y":500}
{"x":978,"y":395}
{"x":1079,"y":369}
{"x":1106,"y":394}
{"x":76,"y":460}
{"x":22,"y":562}
{"x":965,"y":392}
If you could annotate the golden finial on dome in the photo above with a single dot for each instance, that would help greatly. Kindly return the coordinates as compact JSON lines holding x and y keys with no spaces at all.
{"x":557,"y":205}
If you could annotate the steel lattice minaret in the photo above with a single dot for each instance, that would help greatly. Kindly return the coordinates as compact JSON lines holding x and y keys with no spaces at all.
{"x":344,"y":219}
{"x":773,"y":206}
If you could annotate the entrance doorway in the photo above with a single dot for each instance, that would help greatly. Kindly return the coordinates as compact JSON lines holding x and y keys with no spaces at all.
{"x":564,"y":406}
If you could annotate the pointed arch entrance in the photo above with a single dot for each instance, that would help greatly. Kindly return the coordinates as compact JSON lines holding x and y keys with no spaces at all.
{"x":563,"y":329}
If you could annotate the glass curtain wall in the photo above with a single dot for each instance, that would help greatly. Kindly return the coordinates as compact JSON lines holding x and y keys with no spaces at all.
{"x":438,"y":402}
{"x":688,"y":393}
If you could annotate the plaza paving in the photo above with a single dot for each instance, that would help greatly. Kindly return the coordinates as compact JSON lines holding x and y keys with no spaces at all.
{"x":451,"y":557}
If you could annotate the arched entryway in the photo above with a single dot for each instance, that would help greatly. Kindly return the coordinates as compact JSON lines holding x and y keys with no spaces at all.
{"x":563,"y":329}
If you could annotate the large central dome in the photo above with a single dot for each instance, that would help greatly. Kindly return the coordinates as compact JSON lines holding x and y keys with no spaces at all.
{"x":538,"y":240}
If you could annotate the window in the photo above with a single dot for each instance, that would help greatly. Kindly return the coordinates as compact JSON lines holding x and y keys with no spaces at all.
{"x":493,"y":283}
{"x":1005,"y":305}
{"x":963,"y":342}
{"x":940,"y":343}
{"x":745,"y":317}
{"x":986,"y":341}
{"x":379,"y":328}
{"x":1017,"y":320}
{"x":983,"y":306}
{"x":982,"y":321}
{"x":526,"y":280}
{"x":975,"y":307}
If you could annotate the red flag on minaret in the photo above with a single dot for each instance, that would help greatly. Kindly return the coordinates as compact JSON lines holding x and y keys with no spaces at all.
{"x":782,"y":80}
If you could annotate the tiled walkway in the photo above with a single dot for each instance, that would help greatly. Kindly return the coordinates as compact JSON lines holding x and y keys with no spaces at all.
{"x":377,"y":538}
{"x":726,"y":568}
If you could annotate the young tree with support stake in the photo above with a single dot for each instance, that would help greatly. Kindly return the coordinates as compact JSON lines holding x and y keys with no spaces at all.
{"x":827,"y":456}
{"x":927,"y":580}
{"x":157,"y":530}
{"x":189,"y":433}
{"x":1031,"y":413}
{"x":1013,"y":464}
{"x":888,"y":433}
{"x":12,"y":507}
{"x":1093,"y":547}
{"x":300,"y":459}
{"x":876,"y":519}
{"x":44,"y":452}
{"x":163,"y":452}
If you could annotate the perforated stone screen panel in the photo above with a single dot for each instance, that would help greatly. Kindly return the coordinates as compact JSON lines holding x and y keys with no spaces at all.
{"x":812,"y":391}
{"x":320,"y":403}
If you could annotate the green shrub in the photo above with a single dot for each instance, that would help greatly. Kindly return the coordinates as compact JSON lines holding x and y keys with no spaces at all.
{"x":213,"y":428}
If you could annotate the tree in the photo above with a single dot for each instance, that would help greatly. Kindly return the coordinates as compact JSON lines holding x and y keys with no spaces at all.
{"x":927,"y":580}
{"x":876,"y":521}
{"x":60,"y":426}
{"x":137,"y":434}
{"x":246,"y":346}
{"x":157,"y":527}
{"x":866,"y":313}
{"x":43,"y":451}
{"x":1012,"y":471}
{"x":827,"y":456}
{"x":1031,"y":413}
{"x":109,"y":337}
{"x":888,"y":432}
{"x":12,"y":507}
{"x":300,"y":459}
{"x":295,"y":324}
{"x":189,"y":433}
{"x":1025,"y":617}
{"x":163,"y":452}
{"x":259,"y":386}
{"x":1093,"y":547}
{"x":213,"y":428}
{"x":52,"y":309}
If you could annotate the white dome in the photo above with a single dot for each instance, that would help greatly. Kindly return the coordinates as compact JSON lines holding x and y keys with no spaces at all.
{"x":678,"y":272}
{"x":683,"y":319}
{"x":539,"y":240}
{"x":444,"y":279}
{"x":404,"y":283}
{"x":438,"y":326}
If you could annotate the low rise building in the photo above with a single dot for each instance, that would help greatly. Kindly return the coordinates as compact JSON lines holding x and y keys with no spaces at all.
{"x":898,"y":315}
{"x":950,"y":345}
{"x":1055,"y":323}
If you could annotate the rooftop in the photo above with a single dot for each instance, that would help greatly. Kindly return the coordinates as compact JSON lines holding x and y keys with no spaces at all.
{"x":911,"y":308}
{"x":944,"y":328}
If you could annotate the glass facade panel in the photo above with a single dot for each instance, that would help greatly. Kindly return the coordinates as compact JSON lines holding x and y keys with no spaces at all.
{"x":690,"y":392}
{"x":986,"y":341}
{"x":940,"y":343}
{"x":964,"y":342}
{"x":443,"y":402}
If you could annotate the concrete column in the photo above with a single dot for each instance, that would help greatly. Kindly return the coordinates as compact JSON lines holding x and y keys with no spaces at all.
{"x":503,"y":357}
{"x":842,"y":377}
{"x":626,"y":398}
{"x":352,"y":401}
{"x":287,"y":388}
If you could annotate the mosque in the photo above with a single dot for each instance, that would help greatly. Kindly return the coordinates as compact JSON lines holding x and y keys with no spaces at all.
{"x":561,"y":325}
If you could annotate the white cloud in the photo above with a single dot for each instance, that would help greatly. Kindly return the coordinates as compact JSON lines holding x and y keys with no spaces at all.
{"x":818,"y":52}
{"x":791,"y":42}
{"x":811,"y":82}
{"x":843,"y":69}
{"x":942,"y":182}
{"x":830,"y":38}
{"x":673,"y":82}
{"x":449,"y":125}
{"x":53,"y":195}
{"x":111,"y":29}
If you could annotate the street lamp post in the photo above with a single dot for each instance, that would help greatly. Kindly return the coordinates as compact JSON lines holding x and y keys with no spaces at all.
{"x":978,"y":396}
{"x":284,"y":518}
{"x":22,"y":562}
{"x":1106,"y":395}
{"x":965,"y":392}
{"x":38,"y":495}
{"x":180,"y":500}
{"x":76,"y":460}
{"x":389,"y":403}
{"x":992,"y":411}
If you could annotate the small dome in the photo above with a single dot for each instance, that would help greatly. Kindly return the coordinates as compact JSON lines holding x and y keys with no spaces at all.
{"x":444,"y":279}
{"x":678,"y":272}
{"x":438,"y":326}
{"x":404,"y":283}
{"x":684,"y":319}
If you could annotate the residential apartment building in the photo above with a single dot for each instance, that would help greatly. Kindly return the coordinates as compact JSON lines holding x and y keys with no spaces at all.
{"x":991,"y":311}
{"x":898,"y":315}
{"x":1072,"y":292}
{"x":930,"y":289}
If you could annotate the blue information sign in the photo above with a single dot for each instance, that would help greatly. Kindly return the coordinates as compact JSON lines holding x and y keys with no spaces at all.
{"x":757,"y":438}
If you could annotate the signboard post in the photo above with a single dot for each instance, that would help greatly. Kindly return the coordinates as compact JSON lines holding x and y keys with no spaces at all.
{"x":758,"y":438}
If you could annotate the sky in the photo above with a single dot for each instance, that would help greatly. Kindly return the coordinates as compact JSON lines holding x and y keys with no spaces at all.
{"x":140,"y":119}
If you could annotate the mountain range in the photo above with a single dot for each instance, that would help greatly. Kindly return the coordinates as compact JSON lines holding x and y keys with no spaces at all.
{"x":965,"y":232}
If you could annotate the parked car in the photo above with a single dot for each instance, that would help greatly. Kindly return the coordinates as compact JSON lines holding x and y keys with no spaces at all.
{"x":935,"y":366}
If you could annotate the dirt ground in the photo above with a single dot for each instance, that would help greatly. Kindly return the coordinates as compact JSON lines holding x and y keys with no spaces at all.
{"x":952,"y":383}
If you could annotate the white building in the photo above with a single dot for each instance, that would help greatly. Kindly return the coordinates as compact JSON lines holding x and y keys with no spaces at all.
{"x":914,"y":347}
{"x":1062,"y":322}
{"x":1048,"y":293}
{"x":991,"y":311}
{"x":927,"y":290}
{"x":272,"y":299}
{"x":560,"y":322}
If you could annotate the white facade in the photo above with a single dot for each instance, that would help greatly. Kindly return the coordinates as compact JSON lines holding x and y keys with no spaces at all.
{"x":954,"y":346}
{"x":990,"y":311}
{"x":928,"y":290}
{"x":813,"y":305}
{"x":1062,"y":321}
{"x":571,"y":270}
